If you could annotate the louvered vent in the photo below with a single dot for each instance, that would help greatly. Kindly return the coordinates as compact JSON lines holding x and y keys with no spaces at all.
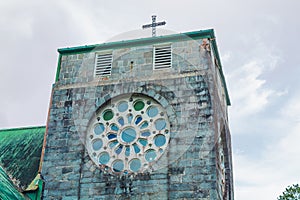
{"x":103,"y":64}
{"x":162,"y":57}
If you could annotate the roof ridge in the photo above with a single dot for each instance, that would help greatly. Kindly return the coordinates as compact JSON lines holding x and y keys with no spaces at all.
{"x":22,"y":128}
{"x":206,"y":33}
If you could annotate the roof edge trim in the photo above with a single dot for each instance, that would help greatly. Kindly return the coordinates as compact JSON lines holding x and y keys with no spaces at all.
{"x":136,"y":42}
{"x":217,"y":55}
{"x":22,"y":128}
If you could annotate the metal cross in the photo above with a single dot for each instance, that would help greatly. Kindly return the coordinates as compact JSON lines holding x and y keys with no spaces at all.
{"x":154,"y":25}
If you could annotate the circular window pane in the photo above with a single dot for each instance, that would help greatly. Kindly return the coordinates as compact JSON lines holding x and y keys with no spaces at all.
{"x":138,"y":120}
{"x":111,"y":136}
{"x":99,"y":129}
{"x":104,"y":158}
{"x":136,"y":148}
{"x":114,"y":127}
{"x":127,"y":151}
{"x":150,"y":155}
{"x":160,"y":124}
{"x":108,"y":115}
{"x":123,"y":106}
{"x":113,"y":144}
{"x":128,"y":135}
{"x":135,"y":165}
{"x":129,"y":118}
{"x":118,"y":150}
{"x":146,"y":134}
{"x":152,"y":111}
{"x":121,"y":121}
{"x":97,"y":144}
{"x":139,"y":105}
{"x":118,"y":165}
{"x":160,"y":140}
{"x":144,"y":125}
{"x":143,"y":142}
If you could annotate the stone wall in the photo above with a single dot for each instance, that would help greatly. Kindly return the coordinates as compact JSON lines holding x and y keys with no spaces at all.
{"x":187,"y":170}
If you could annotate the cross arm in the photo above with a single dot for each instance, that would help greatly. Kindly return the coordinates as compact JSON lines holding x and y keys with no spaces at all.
{"x":154,"y":25}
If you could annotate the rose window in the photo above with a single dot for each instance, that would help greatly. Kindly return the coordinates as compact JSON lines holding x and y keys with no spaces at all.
{"x":128,"y":134}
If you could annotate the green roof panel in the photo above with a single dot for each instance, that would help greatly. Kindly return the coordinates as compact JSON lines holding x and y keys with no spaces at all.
{"x":20,"y":152}
{"x":7,"y":189}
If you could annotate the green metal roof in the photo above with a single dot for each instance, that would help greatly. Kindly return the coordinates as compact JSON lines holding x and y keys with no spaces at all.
{"x":8,"y":191}
{"x":209,"y":33}
{"x":139,"y":42}
{"x":20,"y":151}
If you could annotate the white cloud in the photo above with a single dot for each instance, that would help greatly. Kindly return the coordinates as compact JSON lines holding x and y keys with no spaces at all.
{"x":247,"y":89}
{"x":266,"y":176}
{"x":255,"y":180}
{"x":15,"y":22}
{"x":273,"y":122}
{"x":291,"y":110}
{"x":82,"y":18}
{"x":290,"y":115}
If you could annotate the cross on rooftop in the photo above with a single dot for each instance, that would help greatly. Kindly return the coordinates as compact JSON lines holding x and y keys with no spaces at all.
{"x":154,"y":25}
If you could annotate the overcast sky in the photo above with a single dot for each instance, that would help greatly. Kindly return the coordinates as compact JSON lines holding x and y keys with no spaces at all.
{"x":258,"y":41}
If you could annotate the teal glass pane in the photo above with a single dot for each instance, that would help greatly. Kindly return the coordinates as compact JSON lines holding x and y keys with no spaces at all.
{"x":127,"y":151}
{"x":144,"y":125}
{"x":136,"y":148}
{"x":146,"y":134}
{"x":118,"y":166}
{"x":113,"y":144}
{"x":121,"y":121}
{"x":123,"y":106}
{"x":99,"y":129}
{"x":143,"y":142}
{"x":119,"y":149}
{"x":97,"y":144}
{"x":104,"y":158}
{"x":150,"y":155}
{"x":152,"y":111}
{"x":160,"y":124}
{"x":128,"y":135}
{"x":160,"y":140}
{"x":129,"y":118}
{"x":135,"y":165}
{"x":114,"y":127}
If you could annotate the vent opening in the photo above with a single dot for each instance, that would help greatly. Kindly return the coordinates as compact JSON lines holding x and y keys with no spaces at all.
{"x":103,"y":64}
{"x":162,"y":57}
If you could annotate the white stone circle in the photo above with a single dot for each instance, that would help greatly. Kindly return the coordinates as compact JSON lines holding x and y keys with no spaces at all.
{"x":128,"y":134}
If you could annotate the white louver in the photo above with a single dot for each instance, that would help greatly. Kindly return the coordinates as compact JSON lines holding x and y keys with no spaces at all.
{"x":103,"y":64}
{"x":162,"y":57}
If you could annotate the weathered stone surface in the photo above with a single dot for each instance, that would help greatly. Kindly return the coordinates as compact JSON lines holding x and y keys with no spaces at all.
{"x":189,"y":93}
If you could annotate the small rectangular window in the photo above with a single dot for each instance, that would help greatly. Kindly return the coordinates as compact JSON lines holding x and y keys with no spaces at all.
{"x":162,"y":57}
{"x":103,"y":64}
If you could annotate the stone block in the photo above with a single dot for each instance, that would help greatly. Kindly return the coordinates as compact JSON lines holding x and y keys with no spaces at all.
{"x":187,"y":98}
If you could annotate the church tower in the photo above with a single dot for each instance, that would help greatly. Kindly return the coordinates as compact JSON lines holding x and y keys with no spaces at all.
{"x":139,"y":119}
